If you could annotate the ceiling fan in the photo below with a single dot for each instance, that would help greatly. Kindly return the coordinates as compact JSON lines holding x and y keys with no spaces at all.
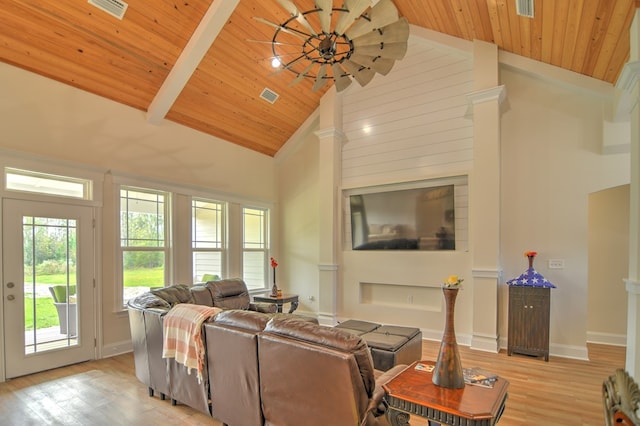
{"x":356,"y":40}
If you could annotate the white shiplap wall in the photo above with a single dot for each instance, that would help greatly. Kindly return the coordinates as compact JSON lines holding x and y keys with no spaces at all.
{"x":410,"y":124}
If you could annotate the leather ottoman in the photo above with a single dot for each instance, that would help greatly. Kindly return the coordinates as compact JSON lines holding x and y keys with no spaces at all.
{"x":389,"y":345}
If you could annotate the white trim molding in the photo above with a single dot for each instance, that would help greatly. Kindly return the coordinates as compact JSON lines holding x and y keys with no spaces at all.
{"x":327,"y":267}
{"x":498,"y":93}
{"x":486,"y":273}
{"x":330,"y":132}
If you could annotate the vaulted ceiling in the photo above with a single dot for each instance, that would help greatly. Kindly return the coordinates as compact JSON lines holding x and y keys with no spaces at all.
{"x":201,"y":63}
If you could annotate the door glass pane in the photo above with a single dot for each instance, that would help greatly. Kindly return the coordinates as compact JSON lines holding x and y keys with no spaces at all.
{"x":50,"y":283}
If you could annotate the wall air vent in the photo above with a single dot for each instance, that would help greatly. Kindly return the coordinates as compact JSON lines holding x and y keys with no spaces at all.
{"x":524,"y":8}
{"x":115,"y":8}
{"x":269,"y":95}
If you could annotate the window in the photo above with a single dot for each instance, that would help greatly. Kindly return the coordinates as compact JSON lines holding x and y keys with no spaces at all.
{"x":144,"y":243}
{"x":47,"y":184}
{"x":254,"y":247}
{"x":208,"y":240}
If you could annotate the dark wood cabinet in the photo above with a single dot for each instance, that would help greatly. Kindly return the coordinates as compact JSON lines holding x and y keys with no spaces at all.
{"x":529,"y":309}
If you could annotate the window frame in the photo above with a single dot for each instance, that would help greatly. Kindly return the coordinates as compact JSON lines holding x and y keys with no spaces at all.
{"x":266,"y":249}
{"x":224,"y":236}
{"x":166,"y":249}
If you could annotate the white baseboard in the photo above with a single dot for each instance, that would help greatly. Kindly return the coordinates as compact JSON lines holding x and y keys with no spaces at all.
{"x":606,"y":338}
{"x":485,"y":343}
{"x":117,"y":348}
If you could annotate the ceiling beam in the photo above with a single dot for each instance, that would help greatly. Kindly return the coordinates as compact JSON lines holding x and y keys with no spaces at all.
{"x":198,"y":45}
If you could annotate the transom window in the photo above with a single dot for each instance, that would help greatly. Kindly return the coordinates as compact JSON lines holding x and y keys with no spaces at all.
{"x":47,"y":184}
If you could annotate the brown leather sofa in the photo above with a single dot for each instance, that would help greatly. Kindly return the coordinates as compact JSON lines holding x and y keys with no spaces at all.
{"x":262,"y":367}
{"x":315,"y":375}
{"x":164,"y":376}
{"x":232,"y":358}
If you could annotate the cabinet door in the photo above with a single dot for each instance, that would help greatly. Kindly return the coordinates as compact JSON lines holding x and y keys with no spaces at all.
{"x":537,"y":303}
{"x":517,"y":318}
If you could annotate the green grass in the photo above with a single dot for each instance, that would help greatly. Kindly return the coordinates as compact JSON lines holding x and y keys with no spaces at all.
{"x":142,"y":277}
{"x":45,"y":311}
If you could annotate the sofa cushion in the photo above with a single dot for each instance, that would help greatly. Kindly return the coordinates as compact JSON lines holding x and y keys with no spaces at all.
{"x":174,"y":294}
{"x":229,"y":294}
{"x":201,"y":295}
{"x":247,"y":320}
{"x":149,"y":300}
{"x":331,"y":337}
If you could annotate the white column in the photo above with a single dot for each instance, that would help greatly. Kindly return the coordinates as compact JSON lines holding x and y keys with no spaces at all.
{"x":628,"y":84}
{"x":330,"y":139}
{"x":484,"y":196}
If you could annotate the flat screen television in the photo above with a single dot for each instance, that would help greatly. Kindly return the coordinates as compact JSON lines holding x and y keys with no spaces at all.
{"x":405,"y":219}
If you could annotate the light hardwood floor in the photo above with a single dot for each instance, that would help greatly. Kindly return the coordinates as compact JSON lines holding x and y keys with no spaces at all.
{"x":106,"y":392}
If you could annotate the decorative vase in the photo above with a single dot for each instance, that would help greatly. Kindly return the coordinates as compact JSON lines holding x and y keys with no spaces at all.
{"x":448,"y":370}
{"x":274,"y":288}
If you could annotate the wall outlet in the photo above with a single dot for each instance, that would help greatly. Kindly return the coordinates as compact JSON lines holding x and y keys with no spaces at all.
{"x":311,"y":298}
{"x":556,"y":263}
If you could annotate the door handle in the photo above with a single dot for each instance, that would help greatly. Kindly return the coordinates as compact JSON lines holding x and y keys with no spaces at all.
{"x":10,"y":285}
{"x":11,"y":297}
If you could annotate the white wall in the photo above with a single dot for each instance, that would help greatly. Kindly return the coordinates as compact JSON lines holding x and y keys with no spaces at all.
{"x":551,"y":162}
{"x":298,"y":220}
{"x":608,"y":265}
{"x":551,"y":136}
{"x":41,"y":118}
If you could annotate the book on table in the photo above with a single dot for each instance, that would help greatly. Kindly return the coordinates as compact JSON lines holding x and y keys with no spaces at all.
{"x":479,"y":377}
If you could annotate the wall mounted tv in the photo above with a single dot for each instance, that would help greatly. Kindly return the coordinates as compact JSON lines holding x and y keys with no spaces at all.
{"x":404,"y":219}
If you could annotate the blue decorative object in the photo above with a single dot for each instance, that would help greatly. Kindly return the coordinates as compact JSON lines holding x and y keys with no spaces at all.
{"x":531,"y":277}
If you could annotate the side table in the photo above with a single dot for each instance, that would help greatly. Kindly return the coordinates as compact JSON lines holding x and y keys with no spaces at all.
{"x":279,"y":300}
{"x":413,"y":393}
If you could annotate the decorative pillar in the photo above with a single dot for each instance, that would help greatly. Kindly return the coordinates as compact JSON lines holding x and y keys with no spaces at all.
{"x":628,"y":84}
{"x":484,"y":195}
{"x":330,"y":139}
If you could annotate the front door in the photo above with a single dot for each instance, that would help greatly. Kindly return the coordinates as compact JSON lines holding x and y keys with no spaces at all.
{"x":48,"y":259}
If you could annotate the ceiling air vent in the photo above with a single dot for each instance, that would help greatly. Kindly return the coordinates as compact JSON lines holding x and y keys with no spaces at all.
{"x":269,"y":95}
{"x":524,"y":8}
{"x":116,"y":8}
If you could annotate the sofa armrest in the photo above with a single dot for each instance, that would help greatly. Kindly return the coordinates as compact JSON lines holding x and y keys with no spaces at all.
{"x":263,"y":307}
{"x":376,"y":404}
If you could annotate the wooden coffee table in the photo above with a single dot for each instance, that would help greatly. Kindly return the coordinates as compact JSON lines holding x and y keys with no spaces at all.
{"x":413,"y":393}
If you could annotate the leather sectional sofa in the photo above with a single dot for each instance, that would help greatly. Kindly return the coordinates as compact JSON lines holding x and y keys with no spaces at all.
{"x":262,"y":367}
{"x":146,"y":312}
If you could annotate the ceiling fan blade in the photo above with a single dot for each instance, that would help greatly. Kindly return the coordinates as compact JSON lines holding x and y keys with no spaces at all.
{"x":294,"y":11}
{"x":382,"y":14}
{"x":320,"y":80}
{"x":363,"y":75}
{"x":341,"y":78}
{"x":398,"y":32}
{"x":280,"y":27}
{"x":376,"y":63}
{"x":356,"y":8}
{"x":325,"y":14}
{"x":302,"y":75}
{"x":384,"y":50}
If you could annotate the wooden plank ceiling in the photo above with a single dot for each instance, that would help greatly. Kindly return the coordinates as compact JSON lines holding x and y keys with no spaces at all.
{"x":128,"y":60}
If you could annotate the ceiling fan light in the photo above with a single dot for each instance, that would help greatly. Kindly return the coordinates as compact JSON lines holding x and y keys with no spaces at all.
{"x":275,"y":62}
